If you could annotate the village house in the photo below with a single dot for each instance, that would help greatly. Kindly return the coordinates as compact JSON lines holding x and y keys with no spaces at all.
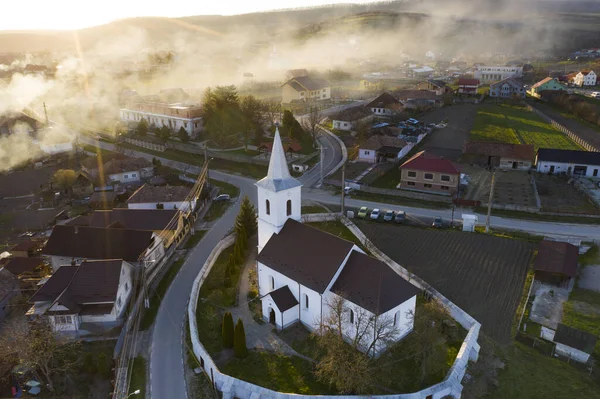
{"x":438,"y":86}
{"x":26,"y":248}
{"x":163,"y":197}
{"x":489,"y":74}
{"x":467,"y":86}
{"x":371,"y":85}
{"x":83,"y":186}
{"x":22,"y":267}
{"x":574,"y":344}
{"x":582,"y":78}
{"x":380,"y":148}
{"x":570,"y":162}
{"x":70,"y":245}
{"x":173,"y":115}
{"x":89,"y":298}
{"x":385,"y":105}
{"x":556,"y":262}
{"x":507,"y":88}
{"x":499,"y":155}
{"x":347,"y":119}
{"x":305,"y":88}
{"x":546,"y":87}
{"x":300,"y":286}
{"x":119,"y":169}
{"x":429,"y":173}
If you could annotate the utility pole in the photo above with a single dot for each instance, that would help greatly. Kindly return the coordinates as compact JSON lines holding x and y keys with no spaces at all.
{"x":489,"y":212}
{"x":46,"y":114}
{"x":321,"y":165}
{"x":343,"y":186}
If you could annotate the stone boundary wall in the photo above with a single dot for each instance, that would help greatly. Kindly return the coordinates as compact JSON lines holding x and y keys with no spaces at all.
{"x":234,"y":388}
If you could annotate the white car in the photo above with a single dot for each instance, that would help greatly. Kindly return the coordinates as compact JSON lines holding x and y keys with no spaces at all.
{"x":375,"y":214}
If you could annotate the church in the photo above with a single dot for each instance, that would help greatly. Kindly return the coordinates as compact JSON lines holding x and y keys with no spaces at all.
{"x":303,"y":271}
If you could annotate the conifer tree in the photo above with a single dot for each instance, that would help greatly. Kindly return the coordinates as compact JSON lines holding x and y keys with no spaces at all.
{"x":227,"y":330}
{"x":246,"y":217}
{"x":239,"y":340}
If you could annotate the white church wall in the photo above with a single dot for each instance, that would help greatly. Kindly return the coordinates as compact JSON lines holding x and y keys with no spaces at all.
{"x":276,"y":217}
{"x":265,"y":284}
{"x":290,"y":316}
{"x":310,"y":316}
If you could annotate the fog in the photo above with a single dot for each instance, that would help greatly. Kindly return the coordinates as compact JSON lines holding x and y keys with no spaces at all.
{"x":85,"y":90}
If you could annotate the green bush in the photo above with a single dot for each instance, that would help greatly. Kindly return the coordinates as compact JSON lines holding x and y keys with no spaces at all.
{"x":227,"y":330}
{"x":239,"y":342}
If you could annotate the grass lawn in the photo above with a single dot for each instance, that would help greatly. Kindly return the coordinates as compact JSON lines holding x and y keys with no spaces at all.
{"x":150,"y":313}
{"x":313,"y":209}
{"x":583,"y":295}
{"x":281,"y":373}
{"x":532,"y":375}
{"x":246,"y":153}
{"x":390,"y":179}
{"x":225,"y":188}
{"x":513,"y":124}
{"x":591,"y":256}
{"x":582,"y":321}
{"x":138,"y":377}
{"x":337,"y":229}
{"x":389,"y":199}
{"x":194,"y":239}
{"x":216,"y":210}
{"x":96,"y":150}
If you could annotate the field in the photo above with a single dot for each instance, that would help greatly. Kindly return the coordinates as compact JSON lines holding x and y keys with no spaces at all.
{"x":585,"y":130}
{"x":483,"y":275}
{"x":513,"y":124}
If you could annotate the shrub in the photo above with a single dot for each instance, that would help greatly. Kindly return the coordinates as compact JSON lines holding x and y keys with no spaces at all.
{"x":239,"y":341}
{"x":227,"y":330}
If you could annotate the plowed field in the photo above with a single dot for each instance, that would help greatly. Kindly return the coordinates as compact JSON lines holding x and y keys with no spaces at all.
{"x":483,"y":275}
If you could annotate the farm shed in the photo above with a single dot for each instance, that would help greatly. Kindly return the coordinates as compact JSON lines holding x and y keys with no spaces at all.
{"x":556,"y":262}
{"x":571,"y":162}
{"x":501,"y":155}
{"x":573,"y":343}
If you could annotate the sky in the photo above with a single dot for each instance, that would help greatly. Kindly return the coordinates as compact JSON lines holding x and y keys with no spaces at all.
{"x":77,"y":14}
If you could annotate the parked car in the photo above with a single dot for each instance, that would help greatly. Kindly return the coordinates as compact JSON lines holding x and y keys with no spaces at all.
{"x":362,"y":212}
{"x":348,"y":190}
{"x":400,"y":217}
{"x":389,"y":216}
{"x":222,"y":198}
{"x":437,"y":223}
{"x":375,"y":214}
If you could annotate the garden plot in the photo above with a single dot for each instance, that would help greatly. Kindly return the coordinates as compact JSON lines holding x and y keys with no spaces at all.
{"x":557,"y":195}
{"x":511,"y":188}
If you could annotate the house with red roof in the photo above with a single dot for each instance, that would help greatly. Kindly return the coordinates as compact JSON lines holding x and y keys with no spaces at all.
{"x":468,"y":86}
{"x":582,"y":78}
{"x":429,"y":173}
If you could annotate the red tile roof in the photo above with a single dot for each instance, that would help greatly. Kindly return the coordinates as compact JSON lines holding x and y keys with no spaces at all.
{"x":557,"y":257}
{"x":430,"y":163}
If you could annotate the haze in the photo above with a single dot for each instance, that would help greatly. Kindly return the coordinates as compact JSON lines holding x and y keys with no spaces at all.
{"x":75,"y":14}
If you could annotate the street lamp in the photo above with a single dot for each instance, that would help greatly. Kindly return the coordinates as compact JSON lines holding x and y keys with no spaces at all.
{"x":136,"y":392}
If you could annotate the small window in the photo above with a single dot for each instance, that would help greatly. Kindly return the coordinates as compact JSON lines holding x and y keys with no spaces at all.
{"x":272,"y":283}
{"x":410,"y":183}
{"x":126,"y":176}
{"x":133,"y":175}
{"x":367,"y":152}
{"x":351,"y":316}
{"x":412,"y":174}
{"x":267,"y":207}
{"x":306,"y":301}
{"x":445,"y":178}
{"x":119,"y":302}
{"x":288,"y":208}
{"x":445,"y":188}
{"x":428,"y":176}
{"x":126,"y":287}
{"x":426,"y":185}
{"x":395,"y":319}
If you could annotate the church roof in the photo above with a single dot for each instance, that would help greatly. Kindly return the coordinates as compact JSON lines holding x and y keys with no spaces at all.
{"x":278,"y":178}
{"x":283,"y":298}
{"x":305,"y":254}
{"x":372,"y":285}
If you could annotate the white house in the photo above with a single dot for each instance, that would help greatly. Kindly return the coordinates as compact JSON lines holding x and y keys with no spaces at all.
{"x":119,"y":169}
{"x":163,"y":197}
{"x":70,"y":245}
{"x":303,"y":271}
{"x":305,"y":88}
{"x":489,"y":74}
{"x":570,"y":162}
{"x":574,"y":344}
{"x":175,"y":116}
{"x":348,"y":119}
{"x":583,"y":78}
{"x":507,"y":88}
{"x":379,"y":148}
{"x":384,"y":105}
{"x":87,"y":298}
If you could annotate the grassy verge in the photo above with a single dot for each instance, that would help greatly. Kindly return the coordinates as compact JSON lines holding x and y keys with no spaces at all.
{"x":159,"y":293}
{"x":281,"y":373}
{"x":538,"y":217}
{"x":138,"y":376}
{"x":194,"y":239}
{"x":96,"y":150}
{"x":530,"y":374}
{"x":216,"y":210}
{"x":313,"y":209}
{"x":225,"y":188}
{"x":337,"y":229}
{"x":587,"y":296}
{"x":360,"y":195}
{"x":389,"y":179}
{"x":591,"y":256}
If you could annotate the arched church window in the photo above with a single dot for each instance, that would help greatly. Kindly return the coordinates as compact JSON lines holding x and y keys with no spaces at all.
{"x":351,"y":316}
{"x":289,"y":207}
{"x":272,"y":283}
{"x":268,"y":207}
{"x":306,"y":301}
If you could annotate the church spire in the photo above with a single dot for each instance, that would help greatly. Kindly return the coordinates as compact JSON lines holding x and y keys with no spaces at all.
{"x":278,"y":177}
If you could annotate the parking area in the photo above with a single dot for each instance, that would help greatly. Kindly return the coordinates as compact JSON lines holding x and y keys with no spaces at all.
{"x":558,"y":195}
{"x":448,"y":142}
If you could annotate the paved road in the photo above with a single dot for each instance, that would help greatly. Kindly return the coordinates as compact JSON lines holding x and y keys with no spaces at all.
{"x":167,"y":348}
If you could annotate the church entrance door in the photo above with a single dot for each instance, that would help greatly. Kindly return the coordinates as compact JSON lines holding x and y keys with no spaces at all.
{"x":271,"y":316}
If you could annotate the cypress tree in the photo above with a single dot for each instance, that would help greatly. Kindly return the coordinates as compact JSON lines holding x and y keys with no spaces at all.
{"x":229,"y":268}
{"x":246,"y":217}
{"x":227,"y":330}
{"x":239,"y":341}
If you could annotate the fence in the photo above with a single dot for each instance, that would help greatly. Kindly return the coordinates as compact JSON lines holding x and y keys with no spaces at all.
{"x":234,"y":388}
{"x":146,"y":144}
{"x":394,"y":192}
{"x":564,"y":130}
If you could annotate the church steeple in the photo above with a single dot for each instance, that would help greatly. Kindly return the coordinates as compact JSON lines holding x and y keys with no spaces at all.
{"x":279,"y":195}
{"x":278,"y":177}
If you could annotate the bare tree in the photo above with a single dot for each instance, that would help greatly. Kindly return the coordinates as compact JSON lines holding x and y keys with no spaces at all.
{"x":311,"y":121}
{"x":35,"y":346}
{"x":272,"y":110}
